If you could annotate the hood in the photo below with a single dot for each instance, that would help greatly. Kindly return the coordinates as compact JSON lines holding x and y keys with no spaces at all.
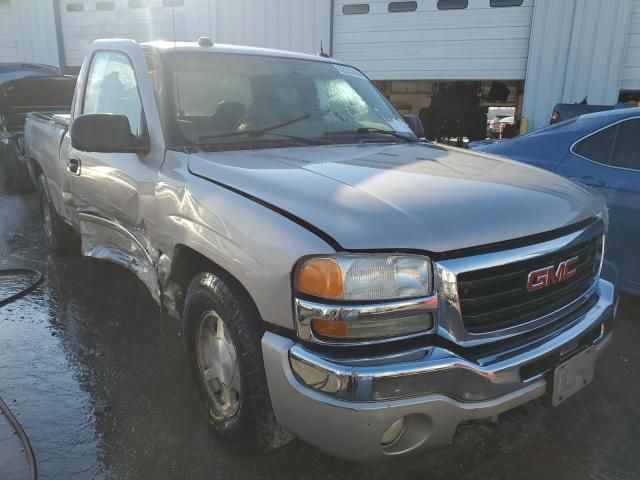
{"x":403,"y":196}
{"x":36,"y":93}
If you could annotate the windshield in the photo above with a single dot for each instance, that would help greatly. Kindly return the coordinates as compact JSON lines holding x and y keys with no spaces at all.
{"x":241,"y":99}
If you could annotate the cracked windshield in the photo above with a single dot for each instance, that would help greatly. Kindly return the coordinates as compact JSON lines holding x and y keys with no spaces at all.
{"x":226,"y":98}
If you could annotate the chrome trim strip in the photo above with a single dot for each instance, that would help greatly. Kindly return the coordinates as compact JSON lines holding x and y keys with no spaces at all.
{"x":450,"y":325}
{"x":439,"y":370}
{"x":307,"y":310}
{"x":504,"y":257}
{"x":573,"y":145}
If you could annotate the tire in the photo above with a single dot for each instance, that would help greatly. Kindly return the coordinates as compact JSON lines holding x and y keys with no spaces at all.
{"x":14,"y":177}
{"x":236,"y":398}
{"x":60,"y":236}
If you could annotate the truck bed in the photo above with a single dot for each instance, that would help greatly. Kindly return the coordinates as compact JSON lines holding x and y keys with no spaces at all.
{"x":43,"y":134}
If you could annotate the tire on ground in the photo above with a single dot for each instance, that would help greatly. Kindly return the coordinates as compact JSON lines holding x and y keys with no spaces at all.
{"x":254,"y":427}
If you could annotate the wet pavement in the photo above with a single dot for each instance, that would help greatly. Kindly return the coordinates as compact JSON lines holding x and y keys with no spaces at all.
{"x":16,"y":458}
{"x":99,"y":380}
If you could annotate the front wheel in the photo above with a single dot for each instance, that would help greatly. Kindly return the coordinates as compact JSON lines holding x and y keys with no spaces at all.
{"x":222,"y":335}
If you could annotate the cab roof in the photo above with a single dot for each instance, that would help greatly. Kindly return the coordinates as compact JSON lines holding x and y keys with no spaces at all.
{"x":166,"y":46}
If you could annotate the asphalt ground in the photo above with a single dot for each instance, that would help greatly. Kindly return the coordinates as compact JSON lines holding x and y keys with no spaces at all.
{"x":98,"y":378}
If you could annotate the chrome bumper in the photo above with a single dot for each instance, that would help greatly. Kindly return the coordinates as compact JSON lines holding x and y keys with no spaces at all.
{"x":344,"y":406}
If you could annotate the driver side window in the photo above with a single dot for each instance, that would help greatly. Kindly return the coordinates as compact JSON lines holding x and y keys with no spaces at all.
{"x":112,"y":88}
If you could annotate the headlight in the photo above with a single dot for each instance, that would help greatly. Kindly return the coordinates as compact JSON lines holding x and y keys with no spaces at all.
{"x":364,"y":277}
{"x":363,"y":297}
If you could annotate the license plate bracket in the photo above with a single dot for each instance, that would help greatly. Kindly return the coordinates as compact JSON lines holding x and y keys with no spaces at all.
{"x":572,"y":375}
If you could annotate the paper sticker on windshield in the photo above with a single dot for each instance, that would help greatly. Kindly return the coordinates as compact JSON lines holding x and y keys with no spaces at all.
{"x":345,"y":70}
{"x":400,"y":126}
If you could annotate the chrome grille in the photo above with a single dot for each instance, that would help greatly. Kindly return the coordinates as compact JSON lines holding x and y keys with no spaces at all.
{"x":497,"y":298}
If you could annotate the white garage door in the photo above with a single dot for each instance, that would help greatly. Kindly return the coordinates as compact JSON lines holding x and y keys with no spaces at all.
{"x":7,"y":33}
{"x":474,"y":43}
{"x":631,"y":67}
{"x":298,"y":25}
{"x":84,"y":21}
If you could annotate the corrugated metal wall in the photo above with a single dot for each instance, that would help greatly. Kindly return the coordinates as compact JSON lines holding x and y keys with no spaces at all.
{"x":631,"y":68}
{"x":577,"y":50}
{"x":298,"y":25}
{"x":476,"y":43}
{"x":141,"y":20}
{"x":36,"y":38}
{"x":8,"y":46}
{"x":570,"y":49}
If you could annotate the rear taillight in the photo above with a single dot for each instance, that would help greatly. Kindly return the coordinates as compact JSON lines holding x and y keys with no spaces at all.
{"x":555,"y":117}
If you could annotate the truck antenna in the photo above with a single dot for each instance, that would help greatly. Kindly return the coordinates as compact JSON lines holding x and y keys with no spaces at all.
{"x":322,"y":53}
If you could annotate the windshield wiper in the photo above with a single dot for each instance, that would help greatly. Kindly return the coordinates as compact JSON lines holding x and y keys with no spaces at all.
{"x":310,"y":141}
{"x":258,"y":132}
{"x":366,"y":130}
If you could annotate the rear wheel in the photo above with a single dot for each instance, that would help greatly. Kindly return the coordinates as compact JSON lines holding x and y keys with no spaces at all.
{"x":60,"y":236}
{"x":222,"y":335}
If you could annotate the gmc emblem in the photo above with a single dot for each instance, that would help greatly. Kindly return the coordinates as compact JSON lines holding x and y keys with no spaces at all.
{"x":545,"y":277}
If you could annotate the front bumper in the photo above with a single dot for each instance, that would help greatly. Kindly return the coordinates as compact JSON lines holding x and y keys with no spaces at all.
{"x":343,"y":407}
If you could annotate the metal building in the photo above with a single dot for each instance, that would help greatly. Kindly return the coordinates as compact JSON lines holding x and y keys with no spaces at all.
{"x":543,"y":51}
{"x":631,"y":65}
{"x":8,"y":49}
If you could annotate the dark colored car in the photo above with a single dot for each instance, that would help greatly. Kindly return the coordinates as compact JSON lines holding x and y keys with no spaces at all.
{"x":24,"y":88}
{"x":17,"y":70}
{"x":600,"y":150}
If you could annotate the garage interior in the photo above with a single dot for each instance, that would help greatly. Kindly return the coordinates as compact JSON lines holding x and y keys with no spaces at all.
{"x":457,"y":112}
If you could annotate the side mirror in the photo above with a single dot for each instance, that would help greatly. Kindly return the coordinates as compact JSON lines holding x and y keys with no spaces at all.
{"x":415,"y":124}
{"x":104,"y":132}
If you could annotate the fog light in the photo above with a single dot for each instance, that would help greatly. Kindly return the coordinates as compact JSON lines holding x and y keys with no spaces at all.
{"x":393,"y":433}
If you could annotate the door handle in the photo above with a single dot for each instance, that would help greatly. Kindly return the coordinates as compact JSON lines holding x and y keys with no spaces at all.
{"x":590,"y":181}
{"x":73,"y":166}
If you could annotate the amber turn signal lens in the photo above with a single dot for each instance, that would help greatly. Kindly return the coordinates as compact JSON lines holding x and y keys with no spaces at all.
{"x":329,"y":328}
{"x":321,"y":277}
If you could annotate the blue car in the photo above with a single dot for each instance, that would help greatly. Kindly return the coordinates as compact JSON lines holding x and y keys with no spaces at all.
{"x":602,"y":151}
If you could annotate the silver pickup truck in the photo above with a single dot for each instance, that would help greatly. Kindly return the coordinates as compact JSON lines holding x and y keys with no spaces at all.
{"x":338,"y":279}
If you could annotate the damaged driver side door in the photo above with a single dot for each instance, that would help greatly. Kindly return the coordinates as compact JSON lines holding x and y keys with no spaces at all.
{"x":113,"y":193}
